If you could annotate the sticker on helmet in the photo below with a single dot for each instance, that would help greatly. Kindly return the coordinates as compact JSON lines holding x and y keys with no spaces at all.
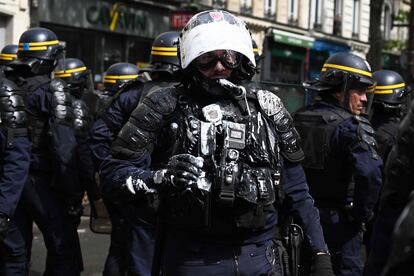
{"x":217,"y":16}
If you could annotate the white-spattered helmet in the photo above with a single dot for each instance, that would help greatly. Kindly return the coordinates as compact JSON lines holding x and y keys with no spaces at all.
{"x":214,"y":30}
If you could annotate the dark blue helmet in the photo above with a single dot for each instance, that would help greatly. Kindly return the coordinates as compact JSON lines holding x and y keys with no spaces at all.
{"x":39,"y":43}
{"x":340,"y":70}
{"x":73,"y":71}
{"x":8,"y":54}
{"x":118,"y":74}
{"x":390,"y":89}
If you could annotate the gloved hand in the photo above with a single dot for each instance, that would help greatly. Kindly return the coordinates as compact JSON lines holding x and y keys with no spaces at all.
{"x":4,"y":226}
{"x":184,"y":170}
{"x":321,"y":265}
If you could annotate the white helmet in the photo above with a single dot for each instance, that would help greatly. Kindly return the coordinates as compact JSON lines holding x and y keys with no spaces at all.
{"x":214,"y":30}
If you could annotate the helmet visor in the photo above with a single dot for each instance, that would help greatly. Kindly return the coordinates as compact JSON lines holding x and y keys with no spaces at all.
{"x":230,"y":59}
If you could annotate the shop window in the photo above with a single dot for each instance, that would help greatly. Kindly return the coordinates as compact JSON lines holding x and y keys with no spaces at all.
{"x":287,"y":64}
{"x":316,"y":14}
{"x":356,"y":15}
{"x":219,"y":4}
{"x":337,"y":26}
{"x":386,"y":21}
{"x":293,"y":12}
{"x":270,"y":9}
{"x":246,"y":6}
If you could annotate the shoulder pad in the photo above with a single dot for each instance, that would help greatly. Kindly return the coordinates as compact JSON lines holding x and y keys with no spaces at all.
{"x":269,"y":102}
{"x":273,"y":107}
{"x":163,"y":100}
{"x":12,"y":109}
{"x":139,"y":133}
{"x":61,"y":100}
{"x":80,"y":115}
{"x":366,"y":135}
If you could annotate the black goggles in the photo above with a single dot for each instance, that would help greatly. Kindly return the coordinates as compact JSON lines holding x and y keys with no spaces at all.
{"x":230,"y":59}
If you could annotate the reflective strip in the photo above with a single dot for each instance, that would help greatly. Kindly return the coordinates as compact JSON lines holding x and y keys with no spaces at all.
{"x":110,"y":81}
{"x":346,"y":68}
{"x":255,"y":50}
{"x":40,"y":48}
{"x":370,"y":89}
{"x":74,"y":70}
{"x":44,"y":43}
{"x":399,"y":85}
{"x":121,"y":77}
{"x":171,"y":54}
{"x":168,"y":49}
{"x":383,"y":91}
{"x":63,"y":75}
{"x":8,"y":55}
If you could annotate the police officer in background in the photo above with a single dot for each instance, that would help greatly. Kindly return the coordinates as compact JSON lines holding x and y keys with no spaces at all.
{"x":117,"y":76}
{"x":164,"y":71}
{"x":342,"y":166}
{"x":387,"y":109}
{"x":398,"y":186}
{"x":7,"y":55}
{"x":217,"y":156}
{"x":45,"y":197}
{"x":77,"y":76}
{"x":14,"y":169}
{"x":390,"y":97}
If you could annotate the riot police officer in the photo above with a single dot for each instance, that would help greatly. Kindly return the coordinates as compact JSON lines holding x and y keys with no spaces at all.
{"x":342,"y":166}
{"x":45,"y":197}
{"x":387,"y":106}
{"x":398,"y":186}
{"x":7,"y":55}
{"x":117,"y":75}
{"x":388,"y":100}
{"x":77,"y":76}
{"x":15,"y":156}
{"x":164,"y":71}
{"x":213,"y":151}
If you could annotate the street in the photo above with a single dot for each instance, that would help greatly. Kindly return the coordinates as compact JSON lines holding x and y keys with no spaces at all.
{"x":94,"y":250}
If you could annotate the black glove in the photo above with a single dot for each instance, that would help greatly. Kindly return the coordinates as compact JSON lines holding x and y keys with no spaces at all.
{"x":184,"y":170}
{"x":4,"y":226}
{"x":321,"y":265}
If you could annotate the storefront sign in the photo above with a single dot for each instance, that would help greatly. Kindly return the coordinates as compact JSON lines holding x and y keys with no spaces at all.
{"x":119,"y":17}
{"x":179,"y":19}
{"x":293,"y":39}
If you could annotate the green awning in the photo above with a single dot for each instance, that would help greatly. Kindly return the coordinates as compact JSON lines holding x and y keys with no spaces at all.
{"x":288,"y":53}
{"x":293,"y":39}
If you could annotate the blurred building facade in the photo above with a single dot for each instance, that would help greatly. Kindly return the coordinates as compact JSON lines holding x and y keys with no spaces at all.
{"x":14,"y":20}
{"x":294,"y":36}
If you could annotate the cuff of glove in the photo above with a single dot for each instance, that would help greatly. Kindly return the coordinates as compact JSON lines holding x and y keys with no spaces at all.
{"x":150,"y":184}
{"x":322,"y":265}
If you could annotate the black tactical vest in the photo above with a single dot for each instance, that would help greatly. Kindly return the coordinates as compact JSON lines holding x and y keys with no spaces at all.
{"x":327,"y":171}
